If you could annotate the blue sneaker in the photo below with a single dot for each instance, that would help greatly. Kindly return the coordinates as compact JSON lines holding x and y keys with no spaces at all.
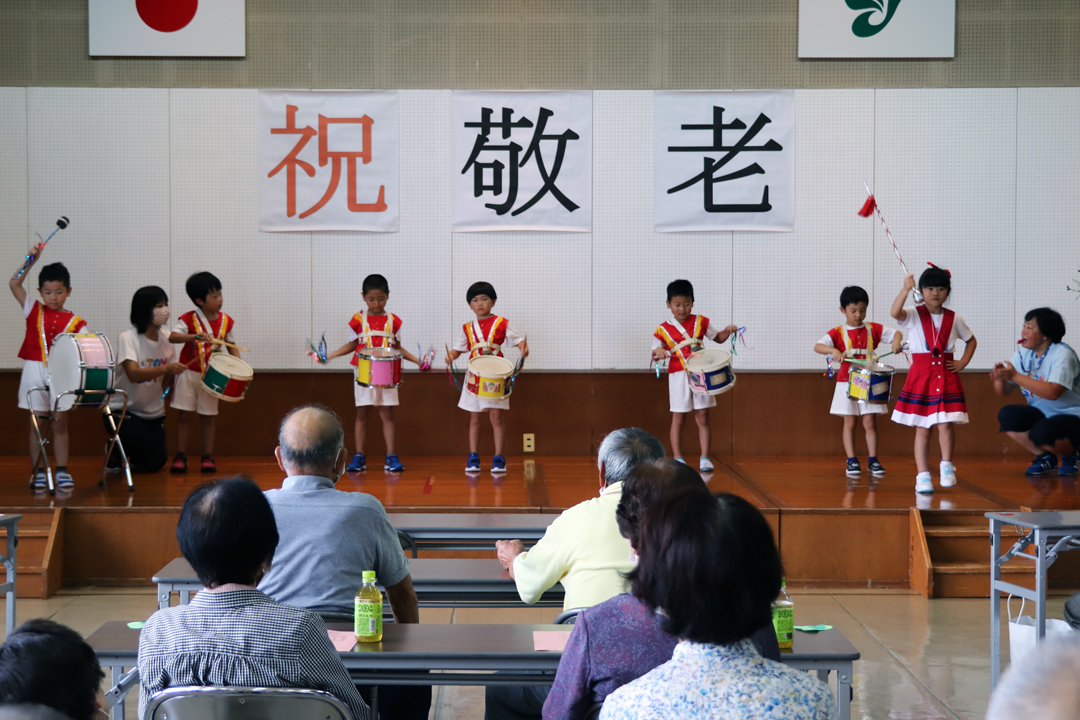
{"x":473,"y":463}
{"x":357,"y":464}
{"x":1069,"y":464}
{"x":498,"y":464}
{"x":393,"y":464}
{"x":1044,"y":464}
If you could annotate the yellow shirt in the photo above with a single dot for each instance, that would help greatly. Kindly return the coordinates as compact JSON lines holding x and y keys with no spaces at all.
{"x":583,"y":549}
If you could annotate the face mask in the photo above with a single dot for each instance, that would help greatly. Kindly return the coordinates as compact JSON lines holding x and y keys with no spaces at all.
{"x":161,"y":316}
{"x":633,"y":556}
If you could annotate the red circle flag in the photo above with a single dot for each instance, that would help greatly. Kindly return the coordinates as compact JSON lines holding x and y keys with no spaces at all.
{"x":167,"y":15}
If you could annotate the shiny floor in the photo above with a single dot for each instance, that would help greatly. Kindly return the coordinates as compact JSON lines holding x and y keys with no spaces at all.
{"x":924,"y":659}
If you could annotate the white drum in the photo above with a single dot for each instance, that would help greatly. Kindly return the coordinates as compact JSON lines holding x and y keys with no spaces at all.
{"x":710,"y":372}
{"x":80,"y":363}
{"x":488,"y":377}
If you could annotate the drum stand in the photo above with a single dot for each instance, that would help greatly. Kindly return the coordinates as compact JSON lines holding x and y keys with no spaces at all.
{"x":42,"y":462}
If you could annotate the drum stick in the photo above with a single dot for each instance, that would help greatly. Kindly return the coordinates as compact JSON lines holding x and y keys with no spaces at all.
{"x":215,"y":341}
{"x":62,"y":223}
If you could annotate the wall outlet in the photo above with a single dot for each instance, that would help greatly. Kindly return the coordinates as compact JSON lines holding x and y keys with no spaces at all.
{"x":530,"y":442}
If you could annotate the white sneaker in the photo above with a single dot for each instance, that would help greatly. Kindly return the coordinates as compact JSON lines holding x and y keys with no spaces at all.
{"x":64,"y":481}
{"x":705,"y":465}
{"x":924,"y":483}
{"x":948,"y":474}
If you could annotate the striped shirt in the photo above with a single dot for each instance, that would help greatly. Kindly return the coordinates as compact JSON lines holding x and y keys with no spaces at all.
{"x":241,"y":638}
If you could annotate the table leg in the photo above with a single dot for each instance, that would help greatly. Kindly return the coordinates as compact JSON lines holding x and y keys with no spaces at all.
{"x":1040,"y":586}
{"x":843,"y":691}
{"x":185,"y":597}
{"x":117,"y":710}
{"x":995,"y":603}
{"x":12,"y":543}
{"x":164,"y":596}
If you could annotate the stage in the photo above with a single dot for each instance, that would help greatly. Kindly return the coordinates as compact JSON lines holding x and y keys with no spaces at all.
{"x":832,"y":531}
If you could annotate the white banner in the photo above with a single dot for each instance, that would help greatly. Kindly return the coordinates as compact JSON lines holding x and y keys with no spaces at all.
{"x":723,"y":160}
{"x":522,"y":161}
{"x":167,"y":28}
{"x":877,"y":28}
{"x":328,"y":161}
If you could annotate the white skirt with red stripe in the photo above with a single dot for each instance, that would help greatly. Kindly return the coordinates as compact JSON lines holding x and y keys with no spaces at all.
{"x":932,"y":394}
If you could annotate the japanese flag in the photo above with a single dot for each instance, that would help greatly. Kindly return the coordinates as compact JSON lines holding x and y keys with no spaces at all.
{"x":168,"y":28}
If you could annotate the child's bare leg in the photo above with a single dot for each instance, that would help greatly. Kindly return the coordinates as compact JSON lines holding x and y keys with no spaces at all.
{"x":947,"y":440}
{"x":183,"y":427}
{"x":869,"y":423}
{"x":360,"y":429}
{"x":474,"y":431}
{"x":60,"y":439}
{"x":387,"y":415}
{"x":703,"y":430}
{"x":35,"y":447}
{"x":208,"y":433}
{"x":498,"y":430}
{"x":849,"y":435}
{"x":677,"y":420}
{"x":922,"y":449}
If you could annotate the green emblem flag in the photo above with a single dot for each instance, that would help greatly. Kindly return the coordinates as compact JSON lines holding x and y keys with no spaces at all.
{"x":877,"y":28}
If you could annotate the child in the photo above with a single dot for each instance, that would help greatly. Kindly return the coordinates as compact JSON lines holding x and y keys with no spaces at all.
{"x":850,"y":340}
{"x":932,"y":393}
{"x":195,"y":329}
{"x":484,"y":336}
{"x":372,"y":329}
{"x":44,"y":321}
{"x":680,"y":338}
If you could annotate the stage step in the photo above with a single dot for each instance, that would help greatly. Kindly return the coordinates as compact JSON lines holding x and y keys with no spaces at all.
{"x":38,"y":557}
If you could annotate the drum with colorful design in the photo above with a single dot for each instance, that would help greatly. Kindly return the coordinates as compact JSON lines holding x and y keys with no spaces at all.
{"x":378,"y":367}
{"x":227,"y":377}
{"x":489,"y":377}
{"x":709,"y":372}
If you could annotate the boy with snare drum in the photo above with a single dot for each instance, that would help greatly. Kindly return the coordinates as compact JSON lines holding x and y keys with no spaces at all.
{"x":678,"y":339}
{"x":850,"y":340}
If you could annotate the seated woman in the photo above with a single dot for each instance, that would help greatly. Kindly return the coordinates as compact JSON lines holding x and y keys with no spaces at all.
{"x":230,"y":633}
{"x":144,"y":361}
{"x":710,"y":566}
{"x":46,"y":663}
{"x":621,"y":639}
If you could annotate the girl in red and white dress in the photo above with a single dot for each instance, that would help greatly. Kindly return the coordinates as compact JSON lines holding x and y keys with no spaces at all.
{"x":932,"y":393}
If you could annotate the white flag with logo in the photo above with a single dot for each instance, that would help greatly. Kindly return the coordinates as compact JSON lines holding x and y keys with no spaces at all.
{"x":877,"y":28}
{"x":167,"y":28}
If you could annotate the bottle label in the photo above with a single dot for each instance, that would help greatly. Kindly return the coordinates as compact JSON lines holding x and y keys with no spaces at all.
{"x":367,"y":618}
{"x":784,"y":623}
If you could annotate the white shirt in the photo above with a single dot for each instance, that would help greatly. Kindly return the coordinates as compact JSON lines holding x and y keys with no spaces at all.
{"x":144,"y":399}
{"x":913,"y":331}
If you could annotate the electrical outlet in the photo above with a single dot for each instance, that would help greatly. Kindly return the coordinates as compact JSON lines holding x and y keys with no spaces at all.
{"x":530,"y":442}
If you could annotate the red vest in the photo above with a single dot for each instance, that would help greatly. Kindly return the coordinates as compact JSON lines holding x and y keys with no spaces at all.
{"x":42,"y":327}
{"x":489,"y":338}
{"x":373,"y":328}
{"x":682,"y":339}
{"x":857,"y":339}
{"x":195,"y":324}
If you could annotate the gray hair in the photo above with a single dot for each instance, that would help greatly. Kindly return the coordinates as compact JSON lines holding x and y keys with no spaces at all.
{"x":622,"y":449}
{"x":1045,"y":686}
{"x":311,"y":448}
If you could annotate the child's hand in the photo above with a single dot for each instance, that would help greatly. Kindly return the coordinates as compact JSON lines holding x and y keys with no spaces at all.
{"x":955,"y":365}
{"x":523,"y":346}
{"x":909,"y":282}
{"x":174,"y":369}
{"x":448,"y":360}
{"x":897,"y":344}
{"x":36,"y":251}
{"x":837,"y":356}
{"x":659,"y":354}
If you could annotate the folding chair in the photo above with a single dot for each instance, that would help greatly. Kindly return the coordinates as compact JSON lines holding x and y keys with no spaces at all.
{"x":245,"y":703}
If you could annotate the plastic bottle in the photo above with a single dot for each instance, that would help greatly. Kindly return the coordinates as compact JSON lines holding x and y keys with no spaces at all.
{"x":368,"y":610}
{"x":783,"y":617}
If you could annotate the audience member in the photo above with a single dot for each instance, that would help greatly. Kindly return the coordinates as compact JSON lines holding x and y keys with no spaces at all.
{"x":46,"y":663}
{"x":710,"y":566}
{"x":230,"y":633}
{"x":33,"y":712}
{"x":1046,"y":686}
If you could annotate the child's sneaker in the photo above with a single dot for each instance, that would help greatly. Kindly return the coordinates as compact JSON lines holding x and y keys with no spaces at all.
{"x":40,"y":482}
{"x":179,"y":464}
{"x":705,"y":465}
{"x":473,"y":463}
{"x":948,"y":474}
{"x":924,"y":483}
{"x":207,"y":465}
{"x":1069,"y":464}
{"x":853,"y":468}
{"x":63,"y":479}
{"x":498,"y":464}
{"x":392,"y":463}
{"x":357,"y":464}
{"x":875,"y":467}
{"x":1042,"y":465}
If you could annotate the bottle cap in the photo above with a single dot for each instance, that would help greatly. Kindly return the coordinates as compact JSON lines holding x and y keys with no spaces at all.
{"x":369,"y":575}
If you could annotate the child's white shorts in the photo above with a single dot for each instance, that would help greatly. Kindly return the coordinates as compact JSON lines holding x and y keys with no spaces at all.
{"x":35,"y":374}
{"x":188,"y":394}
{"x":843,"y":405}
{"x":474,"y":404}
{"x":682,"y":399}
{"x":378,"y":397}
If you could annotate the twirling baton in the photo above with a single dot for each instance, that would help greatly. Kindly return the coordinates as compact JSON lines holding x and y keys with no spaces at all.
{"x":871,"y":206}
{"x":62,"y":223}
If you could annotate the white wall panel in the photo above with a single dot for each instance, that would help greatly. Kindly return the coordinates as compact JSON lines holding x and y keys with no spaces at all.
{"x":1047,"y":208}
{"x":945,"y":171}
{"x":787,"y":285}
{"x":632,"y":264}
{"x":266,"y":277}
{"x":416,"y":260}
{"x":101,"y":157}
{"x":15,"y":236}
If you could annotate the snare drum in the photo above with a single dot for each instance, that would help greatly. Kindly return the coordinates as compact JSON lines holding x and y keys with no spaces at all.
{"x":710,"y":372}
{"x":870,"y":386}
{"x":488,"y":377}
{"x":80,"y":362}
{"x":378,"y":367}
{"x":227,"y":377}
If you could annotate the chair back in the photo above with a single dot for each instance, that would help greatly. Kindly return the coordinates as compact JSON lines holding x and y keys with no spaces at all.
{"x":567,"y":617}
{"x":245,"y":703}
{"x":407,"y":542}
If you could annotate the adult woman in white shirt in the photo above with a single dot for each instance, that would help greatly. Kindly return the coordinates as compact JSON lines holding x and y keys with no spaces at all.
{"x":144,"y":362}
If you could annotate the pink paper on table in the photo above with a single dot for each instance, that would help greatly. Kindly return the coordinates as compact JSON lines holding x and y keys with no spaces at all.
{"x":342,"y":641}
{"x":550,"y":639}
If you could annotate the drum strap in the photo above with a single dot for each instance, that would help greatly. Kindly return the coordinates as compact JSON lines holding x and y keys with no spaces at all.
{"x":70,"y":327}
{"x":387,"y":333}
{"x":847,"y":340}
{"x":478,"y":341}
{"x":199,"y":345}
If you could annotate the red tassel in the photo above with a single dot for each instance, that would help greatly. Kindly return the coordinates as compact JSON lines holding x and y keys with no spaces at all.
{"x":940,"y":268}
{"x":868,"y":207}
